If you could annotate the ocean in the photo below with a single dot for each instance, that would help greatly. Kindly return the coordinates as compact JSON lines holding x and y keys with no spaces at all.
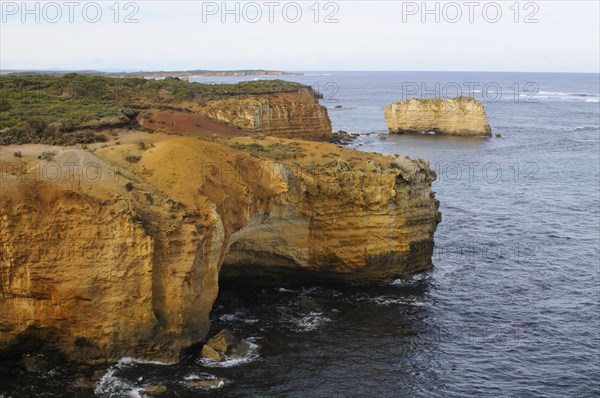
{"x":511,"y":306}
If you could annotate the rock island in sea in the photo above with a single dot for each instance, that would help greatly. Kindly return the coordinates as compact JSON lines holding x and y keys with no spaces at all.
{"x":461,"y":116}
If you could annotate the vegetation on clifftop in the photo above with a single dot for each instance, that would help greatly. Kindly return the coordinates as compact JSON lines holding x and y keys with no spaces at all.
{"x":276,"y":151}
{"x":70,"y":109}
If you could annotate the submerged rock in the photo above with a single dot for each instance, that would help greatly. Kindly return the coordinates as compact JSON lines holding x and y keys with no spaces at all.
{"x":35,"y":363}
{"x":307,"y":305}
{"x":462,"y":116}
{"x":205,"y":384}
{"x":153,"y":391}
{"x":83,"y":382}
{"x":343,"y":137}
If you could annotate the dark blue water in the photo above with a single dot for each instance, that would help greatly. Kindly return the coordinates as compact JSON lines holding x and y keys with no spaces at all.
{"x":511,"y":308}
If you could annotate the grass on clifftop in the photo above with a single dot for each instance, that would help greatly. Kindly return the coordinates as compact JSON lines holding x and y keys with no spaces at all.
{"x":69,"y":109}
{"x":275,"y":151}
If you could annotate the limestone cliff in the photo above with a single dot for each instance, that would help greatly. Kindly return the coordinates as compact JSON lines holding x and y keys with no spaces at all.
{"x":295,"y":114}
{"x":462,"y":116}
{"x":341,"y":216}
{"x":116,"y":250}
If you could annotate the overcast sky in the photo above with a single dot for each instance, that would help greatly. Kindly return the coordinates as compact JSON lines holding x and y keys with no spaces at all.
{"x":368,"y":35}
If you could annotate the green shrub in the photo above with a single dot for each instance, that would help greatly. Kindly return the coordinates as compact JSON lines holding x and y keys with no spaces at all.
{"x":47,"y":155}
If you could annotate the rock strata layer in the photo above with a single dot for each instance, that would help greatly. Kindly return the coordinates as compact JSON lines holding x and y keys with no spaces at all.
{"x":295,"y":114}
{"x":461,"y":116}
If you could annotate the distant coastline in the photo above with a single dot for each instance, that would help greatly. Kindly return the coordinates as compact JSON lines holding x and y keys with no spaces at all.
{"x":159,"y":74}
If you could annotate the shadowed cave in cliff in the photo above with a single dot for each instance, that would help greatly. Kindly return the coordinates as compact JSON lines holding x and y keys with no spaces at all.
{"x":270,"y":267}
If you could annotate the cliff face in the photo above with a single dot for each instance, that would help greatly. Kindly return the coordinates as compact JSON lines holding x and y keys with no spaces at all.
{"x":343,"y":217}
{"x":99,"y":270}
{"x":110,"y":258}
{"x":294,"y":114}
{"x":452,"y":116}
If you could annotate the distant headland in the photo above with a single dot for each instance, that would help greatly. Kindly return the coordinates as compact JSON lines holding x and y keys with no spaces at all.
{"x":159,"y":74}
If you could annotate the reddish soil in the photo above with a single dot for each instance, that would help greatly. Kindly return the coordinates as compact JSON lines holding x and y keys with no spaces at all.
{"x":187,"y":124}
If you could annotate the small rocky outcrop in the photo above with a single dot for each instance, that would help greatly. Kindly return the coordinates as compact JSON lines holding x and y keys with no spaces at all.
{"x":307,"y":305}
{"x":208,"y":383}
{"x":153,"y":391}
{"x":461,"y":116}
{"x":224,"y":346}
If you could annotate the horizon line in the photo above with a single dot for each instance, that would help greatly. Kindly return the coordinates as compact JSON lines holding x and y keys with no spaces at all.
{"x":128,"y":70}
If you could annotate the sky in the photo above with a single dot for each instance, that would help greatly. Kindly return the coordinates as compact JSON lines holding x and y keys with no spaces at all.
{"x":544,"y":36}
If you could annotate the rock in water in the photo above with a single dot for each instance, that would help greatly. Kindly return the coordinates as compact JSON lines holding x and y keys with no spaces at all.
{"x":239,"y":350}
{"x":461,"y":116}
{"x":35,"y":364}
{"x":83,"y":382}
{"x":209,"y":353}
{"x":222,"y":341}
{"x":153,"y":391}
{"x":205,"y":384}
{"x":225,"y":345}
{"x":307,"y":305}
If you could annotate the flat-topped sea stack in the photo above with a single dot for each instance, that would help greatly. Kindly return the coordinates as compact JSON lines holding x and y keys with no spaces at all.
{"x":461,"y":116}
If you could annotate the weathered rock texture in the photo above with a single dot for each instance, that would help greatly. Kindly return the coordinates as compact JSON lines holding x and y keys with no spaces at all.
{"x":342,"y":218}
{"x":295,"y":114}
{"x":107,"y":258}
{"x":462,"y":116}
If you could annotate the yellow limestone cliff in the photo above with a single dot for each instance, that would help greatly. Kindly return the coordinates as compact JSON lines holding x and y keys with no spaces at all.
{"x":294,"y":114}
{"x":105,"y":257}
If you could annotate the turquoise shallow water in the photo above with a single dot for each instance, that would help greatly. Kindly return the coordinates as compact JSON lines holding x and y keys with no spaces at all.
{"x":511,"y":308}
